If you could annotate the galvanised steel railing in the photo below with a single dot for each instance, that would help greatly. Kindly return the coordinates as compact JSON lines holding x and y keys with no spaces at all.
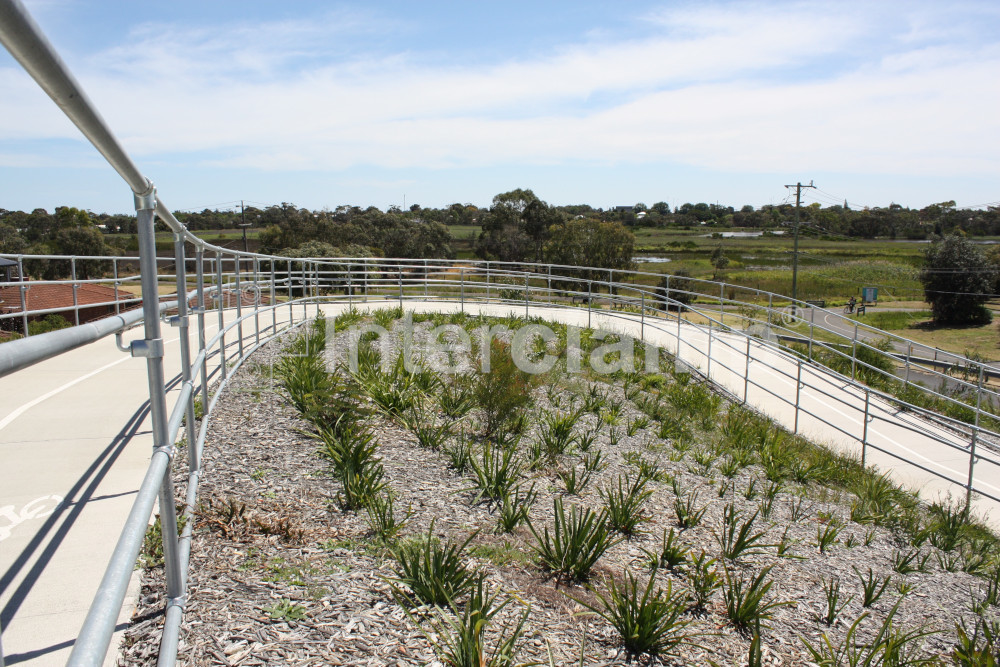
{"x":747,"y":327}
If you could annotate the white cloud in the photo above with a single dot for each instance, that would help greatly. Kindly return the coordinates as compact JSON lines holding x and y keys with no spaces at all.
{"x":740,"y":88}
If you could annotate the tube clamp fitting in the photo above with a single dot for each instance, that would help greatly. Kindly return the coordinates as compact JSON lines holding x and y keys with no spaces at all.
{"x":150,"y":349}
{"x":146,"y":201}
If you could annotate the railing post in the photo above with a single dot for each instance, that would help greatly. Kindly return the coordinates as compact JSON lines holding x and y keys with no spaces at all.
{"x":200,"y":277}
{"x":221,"y":302}
{"x":426,"y":278}
{"x":24,"y":297}
{"x":180,"y":271}
{"x":864,"y":432}
{"x":746,"y":373}
{"x":525,"y":293}
{"x":708,"y":371}
{"x":548,"y":285}
{"x":854,"y":351}
{"x":76,"y":297}
{"x":642,"y":316}
{"x":975,"y":440}
{"x":909,"y":351}
{"x":273,"y":297}
{"x":812,"y":329}
{"x":305,"y":286}
{"x":487,"y":283}
{"x":590,"y":301}
{"x":798,"y":394}
{"x":400,"y":288}
{"x":722,"y":303}
{"x":145,"y":220}
{"x":256,"y":300}
{"x":461,"y":278}
{"x":114,"y":270}
{"x":239,"y":302}
{"x":350,"y":287}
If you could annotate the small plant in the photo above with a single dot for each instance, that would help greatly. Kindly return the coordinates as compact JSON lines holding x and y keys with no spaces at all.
{"x":949,"y":524}
{"x":872,"y":587}
{"x":556,"y":434}
{"x":633,"y":426}
{"x":798,"y":507}
{"x":765,"y":506}
{"x":826,"y":535}
{"x":949,"y":561}
{"x":978,"y":648}
{"x":594,"y":461}
{"x":903,"y":587}
{"x":833,"y":604}
{"x":382,"y":520}
{"x":647,"y":469}
{"x":430,"y":436}
{"x":459,"y":455}
{"x":738,"y":539}
{"x":750,"y":492}
{"x":784,"y":547}
{"x":687,"y":511}
{"x":614,"y":437}
{"x":704,"y":458}
{"x":577,"y":540}
{"x":586,"y":440}
{"x":704,"y":579}
{"x":670,"y":554}
{"x":623,"y":503}
{"x":612,"y":414}
{"x":456,"y":399}
{"x":730,"y":467}
{"x":745,"y":599}
{"x":285,"y":610}
{"x":890,"y":646}
{"x":458,"y":634}
{"x":870,"y":537}
{"x":574,"y":483}
{"x":497,"y":471}
{"x":909,"y":561}
{"x":432,"y":572}
{"x":514,"y":508}
{"x":648,"y":623}
{"x":594,"y":400}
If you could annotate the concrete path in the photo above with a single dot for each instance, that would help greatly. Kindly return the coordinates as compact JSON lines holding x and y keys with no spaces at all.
{"x":75,"y":442}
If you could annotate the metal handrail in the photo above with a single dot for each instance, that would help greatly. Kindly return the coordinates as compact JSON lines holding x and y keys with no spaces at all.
{"x":303,"y":282}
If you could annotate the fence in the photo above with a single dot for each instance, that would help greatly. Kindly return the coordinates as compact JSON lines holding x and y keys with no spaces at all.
{"x":750,"y":344}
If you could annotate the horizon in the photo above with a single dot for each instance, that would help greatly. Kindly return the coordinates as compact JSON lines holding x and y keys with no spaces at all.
{"x":391,"y":104}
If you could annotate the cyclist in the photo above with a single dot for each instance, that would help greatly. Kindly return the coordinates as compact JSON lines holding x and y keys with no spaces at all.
{"x":850,"y":304}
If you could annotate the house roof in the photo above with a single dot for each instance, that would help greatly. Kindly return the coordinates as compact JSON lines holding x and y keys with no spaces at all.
{"x":45,"y":297}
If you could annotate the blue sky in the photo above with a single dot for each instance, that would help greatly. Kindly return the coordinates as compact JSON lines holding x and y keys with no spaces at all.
{"x":323,"y":104}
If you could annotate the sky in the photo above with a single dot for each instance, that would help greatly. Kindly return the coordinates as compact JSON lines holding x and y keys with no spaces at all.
{"x":384,"y":103}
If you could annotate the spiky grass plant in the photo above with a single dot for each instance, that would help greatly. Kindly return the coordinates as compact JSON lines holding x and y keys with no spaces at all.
{"x":834,"y":605}
{"x":890,"y":645}
{"x":872,"y":587}
{"x":385,"y":526}
{"x":737,"y":538}
{"x":514,"y":508}
{"x":577,"y":540}
{"x":458,"y":633}
{"x":556,"y":435}
{"x":687,"y":510}
{"x":431,"y":572}
{"x":503,"y":393}
{"x":746,"y":599}
{"x":826,"y":535}
{"x":704,"y":579}
{"x":623,"y":502}
{"x":456,"y":398}
{"x":647,"y":623}
{"x":574,"y":481}
{"x":670,"y":554}
{"x":497,"y":471}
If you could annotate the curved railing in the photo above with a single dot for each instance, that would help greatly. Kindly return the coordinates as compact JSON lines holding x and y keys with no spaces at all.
{"x":263,"y":295}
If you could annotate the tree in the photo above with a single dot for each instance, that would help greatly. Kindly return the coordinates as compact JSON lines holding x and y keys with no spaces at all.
{"x":958,"y":279}
{"x":590,"y":243}
{"x":516,"y":225}
{"x":719,"y":260}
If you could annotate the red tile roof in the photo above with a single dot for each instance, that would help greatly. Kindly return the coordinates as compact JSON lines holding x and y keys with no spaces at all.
{"x":44,"y":297}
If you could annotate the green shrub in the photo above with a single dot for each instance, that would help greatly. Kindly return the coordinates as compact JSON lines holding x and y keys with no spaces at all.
{"x":578,"y":539}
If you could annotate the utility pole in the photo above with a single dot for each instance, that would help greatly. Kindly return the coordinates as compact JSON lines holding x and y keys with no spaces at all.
{"x":243,"y":224}
{"x":795,"y":253}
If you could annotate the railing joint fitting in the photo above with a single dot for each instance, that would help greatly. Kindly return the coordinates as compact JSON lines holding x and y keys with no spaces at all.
{"x":148,"y":348}
{"x":180,"y":601}
{"x":179,"y":321}
{"x":146,"y":200}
